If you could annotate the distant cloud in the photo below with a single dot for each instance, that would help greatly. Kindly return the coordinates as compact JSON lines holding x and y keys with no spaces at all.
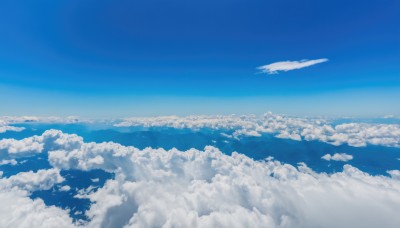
{"x":274,"y":68}
{"x":338,"y":157}
{"x":353,"y":134}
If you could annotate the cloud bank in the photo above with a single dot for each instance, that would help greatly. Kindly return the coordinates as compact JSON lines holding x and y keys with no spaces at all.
{"x":274,"y":68}
{"x":172,"y":188}
{"x":40,"y":119}
{"x":353,"y":134}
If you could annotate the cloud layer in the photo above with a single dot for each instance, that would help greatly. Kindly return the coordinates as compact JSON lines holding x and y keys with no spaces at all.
{"x":274,"y":68}
{"x":160,"y":188}
{"x":353,"y":134}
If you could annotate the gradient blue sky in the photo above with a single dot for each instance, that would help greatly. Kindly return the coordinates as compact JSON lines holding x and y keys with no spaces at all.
{"x":103,"y":58}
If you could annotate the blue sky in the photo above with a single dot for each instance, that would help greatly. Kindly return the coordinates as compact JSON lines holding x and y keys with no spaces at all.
{"x":108,"y":58}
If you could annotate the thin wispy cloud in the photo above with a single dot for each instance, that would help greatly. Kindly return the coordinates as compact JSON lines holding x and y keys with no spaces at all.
{"x":274,"y":68}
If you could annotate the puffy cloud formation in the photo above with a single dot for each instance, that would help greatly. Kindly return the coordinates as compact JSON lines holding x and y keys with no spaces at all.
{"x":159,"y":188}
{"x":11,"y":148}
{"x":5,"y":127}
{"x":32,"y":181}
{"x":338,"y":157}
{"x":49,"y":140}
{"x":18,"y":210}
{"x":353,"y":134}
{"x":274,"y":68}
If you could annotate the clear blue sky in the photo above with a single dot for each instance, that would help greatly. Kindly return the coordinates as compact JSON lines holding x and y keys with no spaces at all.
{"x":106,"y":58}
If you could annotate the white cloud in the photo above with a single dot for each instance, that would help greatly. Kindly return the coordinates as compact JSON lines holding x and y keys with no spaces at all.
{"x":353,"y":134}
{"x":65,"y":188}
{"x":172,"y":188}
{"x":274,"y":68}
{"x":156,"y":187}
{"x":338,"y":157}
{"x":11,"y":148}
{"x":395,"y":174}
{"x":18,"y":210}
{"x":49,"y":140}
{"x":32,"y":181}
{"x":40,"y":119}
{"x":7,"y":162}
{"x":5,"y":127}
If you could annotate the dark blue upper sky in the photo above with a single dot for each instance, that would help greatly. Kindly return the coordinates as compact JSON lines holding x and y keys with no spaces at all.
{"x":115,"y":58}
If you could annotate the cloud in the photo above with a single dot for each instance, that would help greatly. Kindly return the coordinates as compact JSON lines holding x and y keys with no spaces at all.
{"x":11,"y":148}
{"x":32,"y":181}
{"x":65,"y":188}
{"x":8,"y":162}
{"x":395,"y":174}
{"x":18,"y":210}
{"x":206,"y":188}
{"x":338,"y":157}
{"x":41,"y":119}
{"x":49,"y":140}
{"x":353,"y":134}
{"x":281,"y":126}
{"x":5,"y":127}
{"x":274,"y":68}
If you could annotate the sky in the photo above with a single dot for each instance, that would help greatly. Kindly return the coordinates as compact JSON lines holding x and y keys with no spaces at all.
{"x":131,"y":58}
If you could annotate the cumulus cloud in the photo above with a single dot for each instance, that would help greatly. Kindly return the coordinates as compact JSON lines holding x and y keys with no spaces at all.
{"x":5,"y":127}
{"x":32,"y":181}
{"x":274,"y":68}
{"x":353,"y":134}
{"x":49,"y":140}
{"x":11,"y":148}
{"x":155,"y":187}
{"x":172,"y":188}
{"x":338,"y":157}
{"x":18,"y":210}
